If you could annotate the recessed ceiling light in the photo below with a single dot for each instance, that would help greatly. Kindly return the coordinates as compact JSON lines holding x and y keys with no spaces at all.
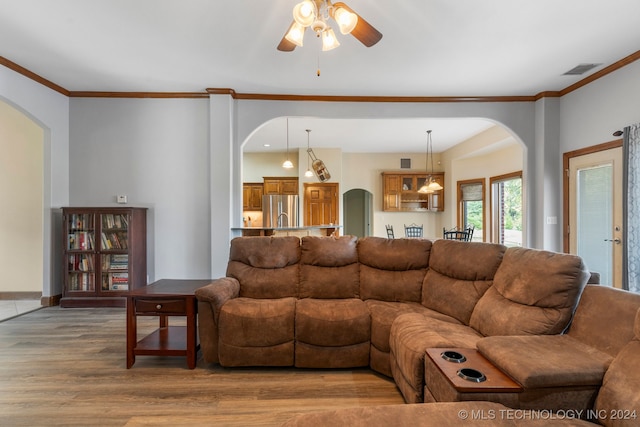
{"x":266,"y":145}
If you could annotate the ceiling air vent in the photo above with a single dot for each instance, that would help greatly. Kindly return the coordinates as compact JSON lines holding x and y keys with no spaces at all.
{"x":580,"y":69}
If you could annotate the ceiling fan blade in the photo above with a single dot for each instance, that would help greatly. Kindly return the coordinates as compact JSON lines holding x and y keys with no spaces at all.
{"x":364,"y":32}
{"x":285,"y":45}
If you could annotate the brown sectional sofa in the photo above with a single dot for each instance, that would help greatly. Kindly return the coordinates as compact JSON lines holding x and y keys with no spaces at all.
{"x":617,"y":402}
{"x":327,"y":302}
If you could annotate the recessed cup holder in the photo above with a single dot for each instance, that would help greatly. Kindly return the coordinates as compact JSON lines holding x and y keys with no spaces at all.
{"x":453,"y":356}
{"x":472,"y":375}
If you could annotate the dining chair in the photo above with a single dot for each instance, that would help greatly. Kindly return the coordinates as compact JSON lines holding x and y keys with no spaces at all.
{"x":413,"y":231}
{"x":455,"y":234}
{"x":390,"y":231}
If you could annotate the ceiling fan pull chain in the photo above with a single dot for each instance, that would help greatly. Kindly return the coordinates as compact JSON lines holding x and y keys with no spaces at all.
{"x":318,"y":70}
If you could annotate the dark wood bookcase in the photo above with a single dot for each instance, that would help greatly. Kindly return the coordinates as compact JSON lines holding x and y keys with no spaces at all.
{"x":105,"y":255}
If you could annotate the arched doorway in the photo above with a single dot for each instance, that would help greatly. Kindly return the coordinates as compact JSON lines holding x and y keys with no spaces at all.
{"x":22,"y":216}
{"x":358,"y":212}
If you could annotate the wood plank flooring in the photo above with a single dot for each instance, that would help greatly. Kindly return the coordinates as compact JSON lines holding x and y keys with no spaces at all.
{"x":66,"y":367}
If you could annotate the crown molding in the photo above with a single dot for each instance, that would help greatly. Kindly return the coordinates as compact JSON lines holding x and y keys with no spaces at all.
{"x":33,"y":76}
{"x":92,"y":94}
{"x":322,"y":98}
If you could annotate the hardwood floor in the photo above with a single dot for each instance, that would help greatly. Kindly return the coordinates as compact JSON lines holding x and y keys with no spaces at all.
{"x":66,"y":367}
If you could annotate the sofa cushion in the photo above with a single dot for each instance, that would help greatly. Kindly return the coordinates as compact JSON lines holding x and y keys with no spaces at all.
{"x":534,"y":292}
{"x":257,"y":332}
{"x":332,"y":323}
{"x":383,"y":313}
{"x":265,"y":267}
{"x":329,"y":267}
{"x":392,"y":269}
{"x":411,"y":334}
{"x":618,"y":398}
{"x":250,"y":322}
{"x":594,"y":319}
{"x":467,"y":414}
{"x":459,"y":274}
{"x":537,"y":361}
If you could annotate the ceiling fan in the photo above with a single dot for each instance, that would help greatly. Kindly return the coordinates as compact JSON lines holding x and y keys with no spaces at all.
{"x":315,"y":14}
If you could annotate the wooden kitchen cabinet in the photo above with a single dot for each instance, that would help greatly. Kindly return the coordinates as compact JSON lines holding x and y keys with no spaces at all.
{"x":280,"y":185}
{"x":400,"y":192}
{"x":252,"y":196}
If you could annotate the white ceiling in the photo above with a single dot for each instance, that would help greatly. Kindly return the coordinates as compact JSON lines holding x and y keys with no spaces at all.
{"x":429,"y":48}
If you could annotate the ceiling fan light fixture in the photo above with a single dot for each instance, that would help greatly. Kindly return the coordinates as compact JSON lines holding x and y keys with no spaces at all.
{"x":329,"y":40}
{"x":346,"y":20}
{"x":295,"y":34}
{"x":305,"y":13}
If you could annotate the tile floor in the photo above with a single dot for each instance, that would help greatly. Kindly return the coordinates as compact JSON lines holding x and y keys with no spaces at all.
{"x":13,"y":308}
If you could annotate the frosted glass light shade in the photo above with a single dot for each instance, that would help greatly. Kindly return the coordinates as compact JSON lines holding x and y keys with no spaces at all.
{"x":287,"y":164}
{"x":304,"y":13}
{"x":346,"y":20}
{"x":295,"y":34}
{"x":329,"y":40}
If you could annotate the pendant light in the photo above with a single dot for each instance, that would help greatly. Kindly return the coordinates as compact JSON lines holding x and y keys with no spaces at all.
{"x":430,"y":185}
{"x":287,"y":163}
{"x":308,"y":173}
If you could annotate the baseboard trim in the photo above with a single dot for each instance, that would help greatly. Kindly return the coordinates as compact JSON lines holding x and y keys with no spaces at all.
{"x":50,"y":301}
{"x":20,"y":295}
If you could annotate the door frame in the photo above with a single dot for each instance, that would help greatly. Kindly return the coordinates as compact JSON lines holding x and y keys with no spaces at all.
{"x":566,"y":157}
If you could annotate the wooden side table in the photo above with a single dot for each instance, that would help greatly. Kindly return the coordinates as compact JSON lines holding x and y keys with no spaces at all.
{"x":164,"y":298}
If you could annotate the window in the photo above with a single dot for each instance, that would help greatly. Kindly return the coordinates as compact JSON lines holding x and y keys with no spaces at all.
{"x":471,"y":207}
{"x":506,"y":209}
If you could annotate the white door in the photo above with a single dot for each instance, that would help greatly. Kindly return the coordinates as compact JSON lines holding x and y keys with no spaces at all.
{"x":595,"y":212}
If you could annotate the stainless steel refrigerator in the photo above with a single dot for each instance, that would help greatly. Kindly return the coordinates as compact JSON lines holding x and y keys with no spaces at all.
{"x":280,"y":211}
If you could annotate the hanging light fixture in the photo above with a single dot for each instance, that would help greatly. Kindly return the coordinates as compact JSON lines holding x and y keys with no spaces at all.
{"x":287,"y":163}
{"x":430,"y":185}
{"x":308,"y":173}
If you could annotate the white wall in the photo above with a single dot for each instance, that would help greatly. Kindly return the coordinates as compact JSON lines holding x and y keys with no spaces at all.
{"x":184,"y":142}
{"x":50,"y":110}
{"x":155,"y":151}
{"x":21,"y":188}
{"x":590,"y":115}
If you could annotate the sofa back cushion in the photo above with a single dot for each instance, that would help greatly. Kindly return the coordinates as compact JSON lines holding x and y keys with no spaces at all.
{"x":392,"y":269}
{"x":265,"y":267}
{"x":459,"y":274}
{"x":602,"y":310}
{"x":618,"y":401}
{"x":534,"y":292}
{"x":329,"y":267}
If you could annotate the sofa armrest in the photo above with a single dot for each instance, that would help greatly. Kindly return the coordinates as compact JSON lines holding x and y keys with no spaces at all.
{"x":218,"y":292}
{"x":539,"y":361}
{"x":211,"y":298}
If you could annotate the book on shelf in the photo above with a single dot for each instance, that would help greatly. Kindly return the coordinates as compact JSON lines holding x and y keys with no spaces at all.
{"x":115,"y":221}
{"x":118,"y":281}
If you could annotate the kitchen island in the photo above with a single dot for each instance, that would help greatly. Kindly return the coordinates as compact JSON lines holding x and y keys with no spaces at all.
{"x":310,"y":230}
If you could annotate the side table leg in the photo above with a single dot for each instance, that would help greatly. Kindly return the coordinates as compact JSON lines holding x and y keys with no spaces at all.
{"x":192,"y":351}
{"x":132,"y":332}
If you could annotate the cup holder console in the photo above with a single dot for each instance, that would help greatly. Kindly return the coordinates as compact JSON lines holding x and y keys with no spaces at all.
{"x":453,"y":356}
{"x":472,"y":375}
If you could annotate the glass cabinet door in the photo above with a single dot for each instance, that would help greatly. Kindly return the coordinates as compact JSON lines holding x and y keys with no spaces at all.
{"x":80,"y":253}
{"x":114,"y":257}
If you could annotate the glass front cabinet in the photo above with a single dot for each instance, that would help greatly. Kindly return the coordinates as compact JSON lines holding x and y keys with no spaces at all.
{"x":105,"y":255}
{"x":400,"y":192}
